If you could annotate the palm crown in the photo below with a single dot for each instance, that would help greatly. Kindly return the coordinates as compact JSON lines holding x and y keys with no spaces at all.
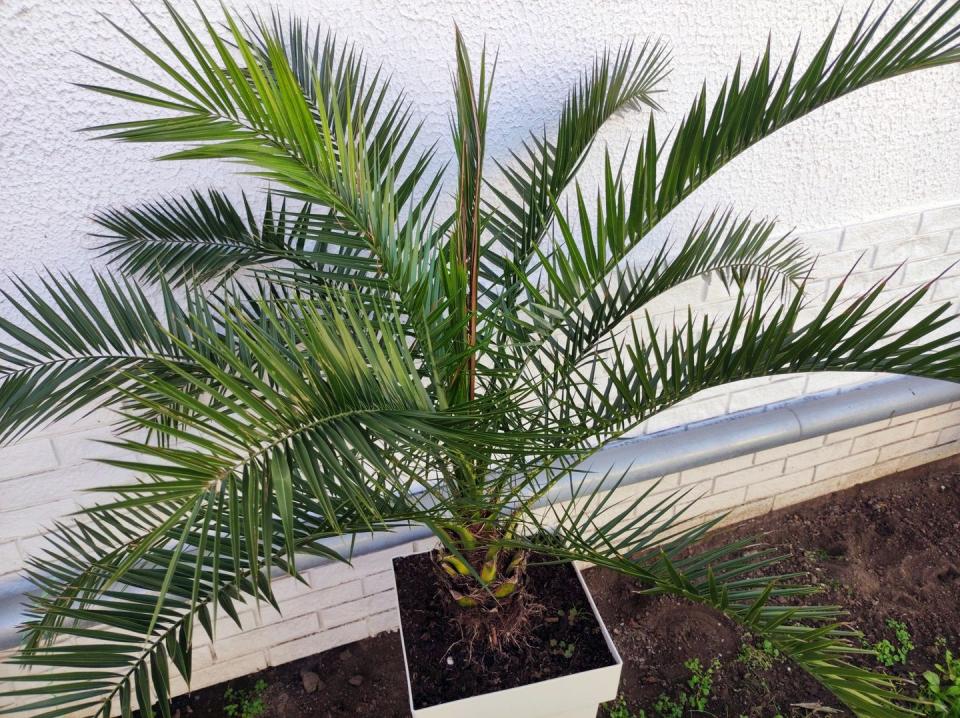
{"x":358,"y":356}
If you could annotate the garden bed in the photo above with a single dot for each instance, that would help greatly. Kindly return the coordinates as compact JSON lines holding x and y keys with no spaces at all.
{"x":889,"y":551}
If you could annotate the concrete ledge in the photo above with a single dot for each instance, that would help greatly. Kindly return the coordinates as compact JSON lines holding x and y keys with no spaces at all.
{"x":712,"y":444}
{"x":715,"y":440}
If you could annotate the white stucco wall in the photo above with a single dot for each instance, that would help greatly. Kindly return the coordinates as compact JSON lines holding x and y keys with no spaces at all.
{"x":888,"y":149}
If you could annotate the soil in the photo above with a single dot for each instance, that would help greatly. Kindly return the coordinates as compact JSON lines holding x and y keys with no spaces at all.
{"x":565,"y":637}
{"x":886,"y":550}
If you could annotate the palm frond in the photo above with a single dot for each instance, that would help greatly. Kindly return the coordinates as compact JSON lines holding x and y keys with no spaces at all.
{"x":649,"y":369}
{"x":648,"y":537}
{"x":133,"y":578}
{"x":321,"y":387}
{"x":751,"y":108}
{"x":244,"y":102}
{"x":198,"y":238}
{"x":72,"y":351}
{"x":627,"y":79}
{"x":336,"y":76}
{"x":201,"y":238}
{"x":586,"y":292}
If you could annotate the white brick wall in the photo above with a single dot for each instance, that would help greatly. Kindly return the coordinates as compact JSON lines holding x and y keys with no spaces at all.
{"x":44,"y":477}
{"x":41,"y":478}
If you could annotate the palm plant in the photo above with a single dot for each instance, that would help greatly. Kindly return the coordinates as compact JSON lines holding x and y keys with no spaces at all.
{"x":359,"y":355}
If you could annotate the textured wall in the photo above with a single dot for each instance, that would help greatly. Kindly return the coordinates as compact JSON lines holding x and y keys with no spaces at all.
{"x":887,"y":149}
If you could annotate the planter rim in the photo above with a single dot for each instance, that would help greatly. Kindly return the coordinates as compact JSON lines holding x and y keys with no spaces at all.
{"x":451,"y":705}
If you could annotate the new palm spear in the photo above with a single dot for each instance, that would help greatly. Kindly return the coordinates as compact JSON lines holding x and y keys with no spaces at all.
{"x":357,"y":358}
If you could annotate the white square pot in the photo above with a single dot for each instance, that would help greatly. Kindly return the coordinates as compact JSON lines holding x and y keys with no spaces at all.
{"x":574,"y":696}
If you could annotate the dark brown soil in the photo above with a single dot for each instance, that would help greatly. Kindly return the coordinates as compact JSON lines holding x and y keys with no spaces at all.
{"x":885,"y":550}
{"x":565,"y":637}
{"x":362,"y":679}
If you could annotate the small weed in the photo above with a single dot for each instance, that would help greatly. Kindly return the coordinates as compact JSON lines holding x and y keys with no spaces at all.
{"x":620,"y":710}
{"x":245,"y":704}
{"x":942,"y":687}
{"x":667,"y":707}
{"x":571,"y":615}
{"x":817,"y":555}
{"x":562,"y":648}
{"x":759,"y":658}
{"x":699,"y":685}
{"x":889,"y":653}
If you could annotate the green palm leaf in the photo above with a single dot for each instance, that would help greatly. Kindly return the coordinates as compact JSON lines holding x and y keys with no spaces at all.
{"x":114,"y":627}
{"x":617,"y":82}
{"x":312,"y":142}
{"x":199,"y":238}
{"x":586,"y":292}
{"x":336,"y":76}
{"x":78,"y":351}
{"x":389,"y":362}
{"x":749,"y":108}
{"x":650,"y":369}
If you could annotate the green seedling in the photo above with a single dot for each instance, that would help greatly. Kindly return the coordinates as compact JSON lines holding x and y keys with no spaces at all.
{"x":695,"y":697}
{"x":239,"y":703}
{"x":890,"y":653}
{"x":942,"y":686}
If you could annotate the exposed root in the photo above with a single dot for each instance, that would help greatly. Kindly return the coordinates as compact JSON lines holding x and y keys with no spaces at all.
{"x":500,"y":630}
{"x":499,"y":624}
